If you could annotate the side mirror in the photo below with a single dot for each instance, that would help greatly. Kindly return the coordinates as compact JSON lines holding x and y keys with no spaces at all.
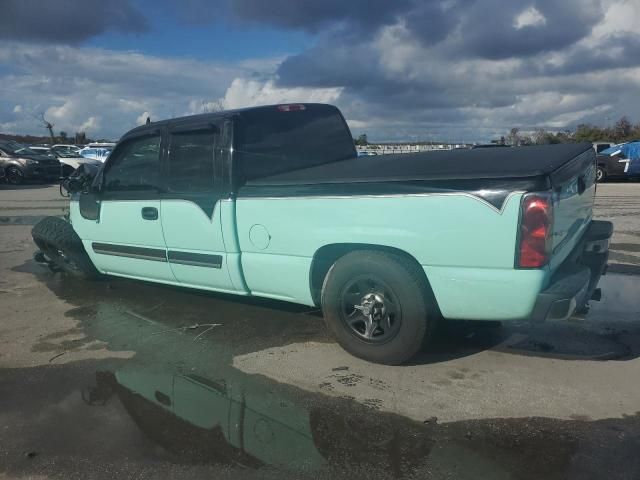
{"x":90,"y":205}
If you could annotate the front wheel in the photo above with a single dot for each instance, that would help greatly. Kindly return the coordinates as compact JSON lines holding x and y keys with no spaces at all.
{"x":62,"y":246}
{"x":14,"y":176}
{"x":601,"y":175}
{"x":377,"y":306}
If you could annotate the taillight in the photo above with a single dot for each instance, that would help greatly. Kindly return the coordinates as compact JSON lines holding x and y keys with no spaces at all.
{"x":536,"y":225}
{"x":291,"y":107}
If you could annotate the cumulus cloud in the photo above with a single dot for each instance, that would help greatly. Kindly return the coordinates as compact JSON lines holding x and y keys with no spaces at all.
{"x":90,"y":125}
{"x":403,"y":69}
{"x":435,"y":69}
{"x":248,"y":92}
{"x":531,"y":17}
{"x":67,"y":21}
{"x":98,"y":90}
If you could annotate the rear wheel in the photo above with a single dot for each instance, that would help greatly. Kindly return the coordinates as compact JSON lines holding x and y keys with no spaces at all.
{"x":601,"y":175}
{"x":14,"y":176}
{"x":377,"y":306}
{"x":62,"y":246}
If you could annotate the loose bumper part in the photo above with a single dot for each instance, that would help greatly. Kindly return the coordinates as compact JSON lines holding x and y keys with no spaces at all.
{"x":575,"y":282}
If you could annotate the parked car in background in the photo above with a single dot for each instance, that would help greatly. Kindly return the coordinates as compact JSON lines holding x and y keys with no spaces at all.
{"x":65,"y":148}
{"x":70,"y":161}
{"x":21,"y":163}
{"x":42,"y":150}
{"x":68,"y":158}
{"x":274,"y":202}
{"x":95,"y":153}
{"x":619,"y":161}
{"x":611,"y":167}
{"x":600,"y":146}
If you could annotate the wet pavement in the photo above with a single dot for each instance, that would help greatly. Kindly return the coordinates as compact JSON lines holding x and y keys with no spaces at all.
{"x":128,"y":379}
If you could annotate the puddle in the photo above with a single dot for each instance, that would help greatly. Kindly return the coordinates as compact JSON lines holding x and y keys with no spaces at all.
{"x":118,"y":309}
{"x":82,"y":420}
{"x":611,"y":330}
{"x":620,"y":299}
{"x":179,"y":408}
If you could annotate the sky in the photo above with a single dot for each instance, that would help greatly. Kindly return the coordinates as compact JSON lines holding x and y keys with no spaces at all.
{"x":400,"y":70}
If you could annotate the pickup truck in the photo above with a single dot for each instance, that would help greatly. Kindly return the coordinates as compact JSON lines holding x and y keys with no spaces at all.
{"x":274,"y":202}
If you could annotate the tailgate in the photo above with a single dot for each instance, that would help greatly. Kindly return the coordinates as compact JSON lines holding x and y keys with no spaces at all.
{"x":574,"y":190}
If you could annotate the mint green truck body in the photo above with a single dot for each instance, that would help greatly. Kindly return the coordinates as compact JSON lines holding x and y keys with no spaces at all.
{"x":264,"y":255}
{"x":278,"y":238}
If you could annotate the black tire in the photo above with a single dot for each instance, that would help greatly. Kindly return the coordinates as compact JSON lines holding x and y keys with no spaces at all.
{"x":405,"y":306}
{"x":601,"y":174}
{"x":61,"y":245}
{"x":14,"y":176}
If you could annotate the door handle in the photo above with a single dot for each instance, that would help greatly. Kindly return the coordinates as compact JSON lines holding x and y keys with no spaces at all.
{"x":150,"y":213}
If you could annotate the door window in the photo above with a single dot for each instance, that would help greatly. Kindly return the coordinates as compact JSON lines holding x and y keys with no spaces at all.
{"x":191,"y":162}
{"x":135,"y":166}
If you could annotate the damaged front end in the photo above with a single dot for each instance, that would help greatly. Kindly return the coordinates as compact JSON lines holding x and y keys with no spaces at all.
{"x":80,"y":180}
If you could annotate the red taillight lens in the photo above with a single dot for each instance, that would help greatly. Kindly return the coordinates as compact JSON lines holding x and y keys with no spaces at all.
{"x":292,"y":107}
{"x":536,"y":226}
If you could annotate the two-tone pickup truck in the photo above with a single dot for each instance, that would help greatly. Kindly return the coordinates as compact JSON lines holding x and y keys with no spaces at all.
{"x":274,"y":202}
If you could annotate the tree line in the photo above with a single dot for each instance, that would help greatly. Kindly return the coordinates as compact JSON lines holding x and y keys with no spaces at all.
{"x":80,"y":138}
{"x":622,"y":131}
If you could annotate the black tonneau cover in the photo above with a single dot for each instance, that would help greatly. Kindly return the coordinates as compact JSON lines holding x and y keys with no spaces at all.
{"x":488,"y":163}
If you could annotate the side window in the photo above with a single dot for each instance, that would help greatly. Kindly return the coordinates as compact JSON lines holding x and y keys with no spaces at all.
{"x":135,"y":166}
{"x":191,"y":162}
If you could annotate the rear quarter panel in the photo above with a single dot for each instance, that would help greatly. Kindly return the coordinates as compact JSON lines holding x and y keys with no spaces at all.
{"x":465,"y":245}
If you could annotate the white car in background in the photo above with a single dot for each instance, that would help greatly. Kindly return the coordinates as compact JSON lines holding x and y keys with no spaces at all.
{"x":600,"y":146}
{"x":65,"y":148}
{"x":95,"y":153}
{"x":69,"y":159}
{"x":42,"y":150}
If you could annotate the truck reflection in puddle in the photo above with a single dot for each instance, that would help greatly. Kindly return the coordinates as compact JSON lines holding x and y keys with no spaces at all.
{"x":251,"y":423}
{"x":185,"y":396}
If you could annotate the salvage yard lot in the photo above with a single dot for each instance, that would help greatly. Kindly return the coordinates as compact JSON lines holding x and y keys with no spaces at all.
{"x":579,"y":376}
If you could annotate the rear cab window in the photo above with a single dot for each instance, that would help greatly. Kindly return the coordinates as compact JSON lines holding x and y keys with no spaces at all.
{"x":279,"y":139}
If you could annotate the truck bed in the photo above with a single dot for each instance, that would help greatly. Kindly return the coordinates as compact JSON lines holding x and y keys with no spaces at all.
{"x":533,"y":163}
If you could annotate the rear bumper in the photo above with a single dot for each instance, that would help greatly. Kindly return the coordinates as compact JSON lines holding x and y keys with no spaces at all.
{"x":572,"y":286}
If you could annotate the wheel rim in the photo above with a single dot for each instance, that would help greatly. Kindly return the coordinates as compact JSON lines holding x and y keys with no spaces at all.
{"x":14,"y":176}
{"x":370,"y":309}
{"x":58,"y":256}
{"x":599,"y":174}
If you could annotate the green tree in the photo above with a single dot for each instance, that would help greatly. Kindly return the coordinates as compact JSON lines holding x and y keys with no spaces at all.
{"x":362,"y":140}
{"x":513,"y":138}
{"x":622,"y":129}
